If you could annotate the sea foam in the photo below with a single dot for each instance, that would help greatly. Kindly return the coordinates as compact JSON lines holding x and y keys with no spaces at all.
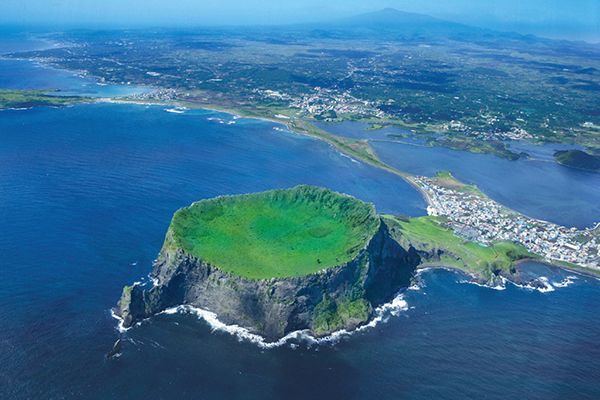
{"x":547,"y":285}
{"x":382,"y":315}
{"x":569,"y":280}
{"x":120,"y":325}
{"x":175,"y":110}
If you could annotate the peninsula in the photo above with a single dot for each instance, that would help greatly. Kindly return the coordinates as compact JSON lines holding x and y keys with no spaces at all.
{"x":305,"y":258}
{"x":35,"y":98}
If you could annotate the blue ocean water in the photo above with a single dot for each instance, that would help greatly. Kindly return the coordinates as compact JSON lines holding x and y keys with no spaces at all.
{"x":87,"y":193}
{"x":537,"y":187}
{"x":16,"y":41}
{"x":26,"y":74}
{"x":18,"y":73}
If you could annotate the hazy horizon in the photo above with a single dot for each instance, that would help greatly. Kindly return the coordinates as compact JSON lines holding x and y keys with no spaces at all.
{"x":579,"y":19}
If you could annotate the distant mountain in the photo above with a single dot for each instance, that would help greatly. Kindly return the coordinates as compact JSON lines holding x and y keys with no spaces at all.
{"x":390,"y":18}
{"x":396,"y":22}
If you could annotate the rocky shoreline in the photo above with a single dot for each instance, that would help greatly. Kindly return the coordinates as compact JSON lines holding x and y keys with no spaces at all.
{"x":341,"y":297}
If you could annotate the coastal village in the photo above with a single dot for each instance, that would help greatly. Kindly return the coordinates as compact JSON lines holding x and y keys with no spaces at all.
{"x":329,"y":105}
{"x":475,"y":217}
{"x":332,"y":105}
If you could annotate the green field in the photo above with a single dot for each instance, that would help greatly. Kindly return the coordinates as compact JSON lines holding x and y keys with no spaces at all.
{"x":427,"y":234}
{"x":280,"y":233}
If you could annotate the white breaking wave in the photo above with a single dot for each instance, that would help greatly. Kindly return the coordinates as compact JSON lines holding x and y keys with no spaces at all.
{"x":542,"y":279}
{"x":240,"y":332}
{"x":547,"y":285}
{"x":221,"y":121}
{"x":120,"y":326}
{"x":18,"y":108}
{"x":500,"y":286}
{"x":569,"y":280}
{"x":347,"y":156}
{"x":175,"y":110}
{"x":382,"y":314}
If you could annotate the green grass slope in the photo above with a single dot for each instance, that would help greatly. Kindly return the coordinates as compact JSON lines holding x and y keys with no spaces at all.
{"x":280,"y":233}
{"x":427,"y":234}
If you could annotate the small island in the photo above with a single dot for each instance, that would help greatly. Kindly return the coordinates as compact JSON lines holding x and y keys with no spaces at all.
{"x":304,"y":258}
{"x":578,"y":159}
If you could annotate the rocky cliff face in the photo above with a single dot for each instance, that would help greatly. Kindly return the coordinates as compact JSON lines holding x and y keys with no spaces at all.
{"x":323,"y":302}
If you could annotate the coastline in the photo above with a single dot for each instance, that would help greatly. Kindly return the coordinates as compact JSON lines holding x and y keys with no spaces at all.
{"x":307,"y":129}
{"x":583,"y":271}
{"x":301,"y":127}
{"x":571,"y":268}
{"x":381,"y":315}
{"x":94,"y":185}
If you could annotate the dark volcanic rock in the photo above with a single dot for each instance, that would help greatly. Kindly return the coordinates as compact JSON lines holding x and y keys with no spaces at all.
{"x":340,"y":297}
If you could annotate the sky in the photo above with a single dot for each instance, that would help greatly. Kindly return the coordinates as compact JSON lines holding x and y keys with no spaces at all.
{"x":519,"y":15}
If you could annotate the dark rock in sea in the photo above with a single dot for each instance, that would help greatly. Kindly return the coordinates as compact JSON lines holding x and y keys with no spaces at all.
{"x":116,"y":349}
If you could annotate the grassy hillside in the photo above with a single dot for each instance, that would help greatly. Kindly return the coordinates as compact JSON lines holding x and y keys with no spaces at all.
{"x":446,"y":180}
{"x":427,"y":234}
{"x":279,"y":233}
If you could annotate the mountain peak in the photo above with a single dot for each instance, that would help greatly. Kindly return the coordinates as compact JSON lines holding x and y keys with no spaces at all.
{"x":394,"y":20}
{"x":393,"y":15}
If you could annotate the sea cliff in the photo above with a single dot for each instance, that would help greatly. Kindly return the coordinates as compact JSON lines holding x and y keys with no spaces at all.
{"x":304,"y":258}
{"x":336,"y":297}
{"x":342,"y":297}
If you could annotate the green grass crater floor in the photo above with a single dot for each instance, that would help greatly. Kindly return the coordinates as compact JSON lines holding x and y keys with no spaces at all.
{"x":280,"y":233}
